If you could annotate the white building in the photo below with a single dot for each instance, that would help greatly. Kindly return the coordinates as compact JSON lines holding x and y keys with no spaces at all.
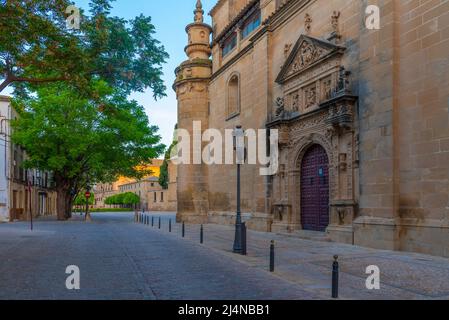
{"x":16,"y":199}
{"x":5,"y":114}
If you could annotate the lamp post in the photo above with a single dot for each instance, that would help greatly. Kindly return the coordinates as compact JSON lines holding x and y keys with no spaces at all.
{"x":87,"y":195}
{"x":30,"y":192}
{"x":239,"y":147}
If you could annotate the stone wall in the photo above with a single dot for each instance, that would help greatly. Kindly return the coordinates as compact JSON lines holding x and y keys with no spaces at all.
{"x":400,"y":74}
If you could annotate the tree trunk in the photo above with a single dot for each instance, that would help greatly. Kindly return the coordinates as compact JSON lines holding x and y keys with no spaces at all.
{"x":63,"y":205}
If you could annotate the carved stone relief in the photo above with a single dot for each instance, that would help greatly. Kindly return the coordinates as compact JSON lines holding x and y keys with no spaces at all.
{"x":310,"y":97}
{"x":307,"y":23}
{"x":316,"y":108}
{"x":308,"y":54}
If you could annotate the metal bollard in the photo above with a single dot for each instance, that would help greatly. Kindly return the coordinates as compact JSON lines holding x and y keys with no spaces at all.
{"x":140,"y":218}
{"x":146,"y":220}
{"x":159,"y":222}
{"x":244,"y":239}
{"x":335,"y":271}
{"x":201,"y":234}
{"x":169,"y":225}
{"x":152,"y":221}
{"x":272,"y":256}
{"x":183,"y":229}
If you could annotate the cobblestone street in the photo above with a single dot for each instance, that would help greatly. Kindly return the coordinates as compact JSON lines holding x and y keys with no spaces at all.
{"x":120,"y":259}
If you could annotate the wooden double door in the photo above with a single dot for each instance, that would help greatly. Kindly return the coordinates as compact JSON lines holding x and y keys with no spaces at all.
{"x":315,"y":189}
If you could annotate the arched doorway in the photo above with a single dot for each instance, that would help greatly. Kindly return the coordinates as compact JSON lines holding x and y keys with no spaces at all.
{"x":315,"y":189}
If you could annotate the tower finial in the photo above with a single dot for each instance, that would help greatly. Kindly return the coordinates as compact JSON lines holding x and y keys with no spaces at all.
{"x":199,"y":12}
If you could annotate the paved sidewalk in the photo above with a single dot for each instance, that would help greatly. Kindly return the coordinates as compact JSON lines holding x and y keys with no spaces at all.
{"x":308,"y":263}
{"x":120,"y":259}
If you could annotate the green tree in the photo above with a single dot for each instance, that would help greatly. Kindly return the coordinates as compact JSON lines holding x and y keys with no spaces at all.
{"x":84,"y":141}
{"x":131,"y":199}
{"x":126,"y":199}
{"x":36,"y":47}
{"x":164,"y":178}
{"x":80,"y":199}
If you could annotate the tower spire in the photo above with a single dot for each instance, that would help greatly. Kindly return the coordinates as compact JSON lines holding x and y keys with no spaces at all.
{"x":199,"y":12}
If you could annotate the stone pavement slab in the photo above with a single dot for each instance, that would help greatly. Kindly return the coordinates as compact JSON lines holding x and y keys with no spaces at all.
{"x":308,"y":264}
{"x":119,"y":259}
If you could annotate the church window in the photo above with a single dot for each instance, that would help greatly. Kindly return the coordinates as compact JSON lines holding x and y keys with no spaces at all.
{"x":229,"y":44}
{"x":251,"y":24}
{"x":233,"y":99}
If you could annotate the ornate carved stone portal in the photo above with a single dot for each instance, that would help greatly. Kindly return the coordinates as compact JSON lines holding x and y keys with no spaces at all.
{"x":317,"y":109}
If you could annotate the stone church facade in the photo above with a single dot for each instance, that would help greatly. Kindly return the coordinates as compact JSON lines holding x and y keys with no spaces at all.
{"x":362,"y":117}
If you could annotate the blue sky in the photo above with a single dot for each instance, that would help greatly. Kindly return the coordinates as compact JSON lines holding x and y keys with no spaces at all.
{"x":170,"y":18}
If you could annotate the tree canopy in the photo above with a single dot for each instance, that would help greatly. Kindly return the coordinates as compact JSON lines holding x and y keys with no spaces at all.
{"x":80,"y":199}
{"x":37,"y":47}
{"x":84,"y":141}
{"x":78,"y":122}
{"x":164,"y":178}
{"x":126,"y":199}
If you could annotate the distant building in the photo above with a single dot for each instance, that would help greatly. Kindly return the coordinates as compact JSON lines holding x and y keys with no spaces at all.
{"x":102,"y":191}
{"x":152,"y":196}
{"x":16,"y":200}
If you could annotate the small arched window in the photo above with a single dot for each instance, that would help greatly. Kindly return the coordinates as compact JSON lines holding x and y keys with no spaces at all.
{"x":233,"y":99}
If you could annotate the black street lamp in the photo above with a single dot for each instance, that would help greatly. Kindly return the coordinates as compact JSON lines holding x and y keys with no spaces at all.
{"x":87,"y":196}
{"x":239,"y":147}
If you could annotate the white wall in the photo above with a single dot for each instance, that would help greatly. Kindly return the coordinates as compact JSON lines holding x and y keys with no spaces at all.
{"x":4,"y":155}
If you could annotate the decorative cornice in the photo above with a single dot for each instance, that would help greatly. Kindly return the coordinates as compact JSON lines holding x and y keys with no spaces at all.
{"x":197,"y":24}
{"x":315,"y":42}
{"x":214,"y":8}
{"x":197,"y":47}
{"x":284,"y":11}
{"x":292,"y":117}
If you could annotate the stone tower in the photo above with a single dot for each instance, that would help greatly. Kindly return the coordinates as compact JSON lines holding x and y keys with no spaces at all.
{"x":191,"y":86}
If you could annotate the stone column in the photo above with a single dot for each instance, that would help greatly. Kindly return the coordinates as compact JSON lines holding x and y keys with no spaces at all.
{"x":191,"y":86}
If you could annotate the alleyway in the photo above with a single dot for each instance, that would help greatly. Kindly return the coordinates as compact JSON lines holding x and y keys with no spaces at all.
{"x":120,"y":259}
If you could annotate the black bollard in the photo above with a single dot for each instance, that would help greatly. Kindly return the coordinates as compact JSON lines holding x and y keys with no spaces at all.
{"x":152,"y":221}
{"x":183,"y":229}
{"x":272,"y":256}
{"x":148,"y":220}
{"x":169,"y":225}
{"x":159,"y":222}
{"x":335,"y":268}
{"x":201,"y":234}
{"x":140,"y":218}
